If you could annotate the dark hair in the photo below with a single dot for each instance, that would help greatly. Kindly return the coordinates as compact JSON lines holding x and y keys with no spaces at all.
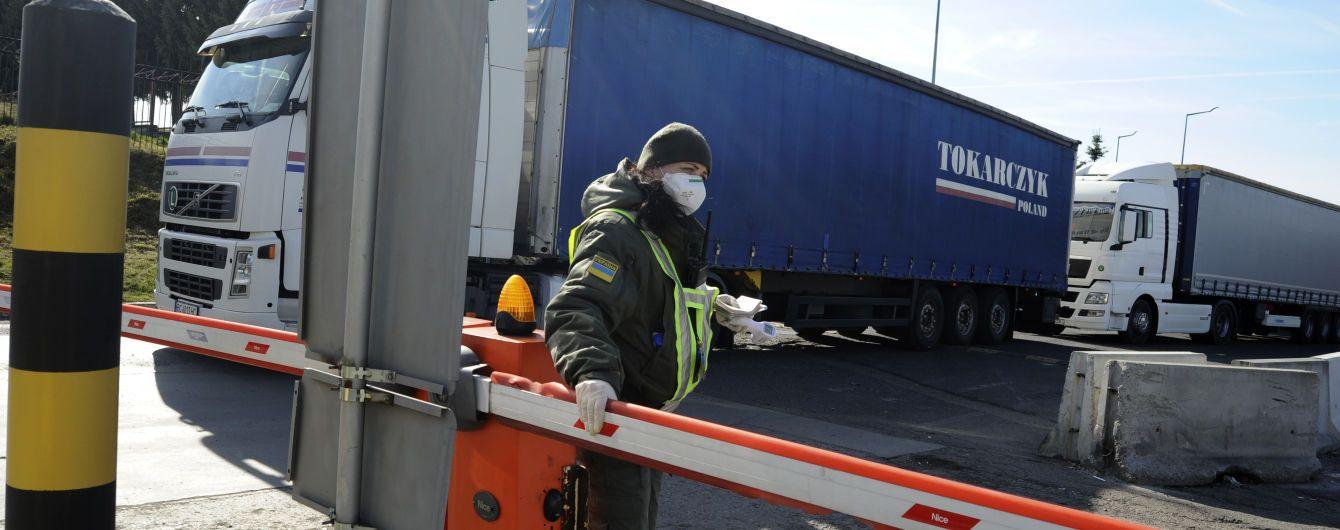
{"x":658,"y":210}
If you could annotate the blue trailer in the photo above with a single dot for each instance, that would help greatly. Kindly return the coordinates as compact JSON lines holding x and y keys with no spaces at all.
{"x":847,"y":194}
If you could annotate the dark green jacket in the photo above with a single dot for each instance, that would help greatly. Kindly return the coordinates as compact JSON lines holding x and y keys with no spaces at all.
{"x":600,"y":325}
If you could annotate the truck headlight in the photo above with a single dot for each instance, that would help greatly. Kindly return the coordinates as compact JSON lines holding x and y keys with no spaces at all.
{"x":241,"y":273}
{"x":1096,"y":298}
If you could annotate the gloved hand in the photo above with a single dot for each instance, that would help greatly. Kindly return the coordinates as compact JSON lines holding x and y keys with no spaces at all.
{"x":737,"y":314}
{"x":592,"y":395}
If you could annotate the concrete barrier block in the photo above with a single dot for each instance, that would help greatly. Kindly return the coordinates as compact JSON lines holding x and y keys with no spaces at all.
{"x":1079,"y":431}
{"x":1332,"y":383}
{"x":1328,"y":437}
{"x":1184,"y":425}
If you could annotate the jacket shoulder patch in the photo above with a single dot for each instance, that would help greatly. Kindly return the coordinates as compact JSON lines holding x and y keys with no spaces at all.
{"x":603,"y":268}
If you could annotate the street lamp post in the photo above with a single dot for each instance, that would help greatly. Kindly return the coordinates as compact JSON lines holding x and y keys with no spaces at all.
{"x":1118,"y":155}
{"x":935,"y":51}
{"x":1185,"y":122}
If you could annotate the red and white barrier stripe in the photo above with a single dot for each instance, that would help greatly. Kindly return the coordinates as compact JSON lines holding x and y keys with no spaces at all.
{"x":780,"y":471}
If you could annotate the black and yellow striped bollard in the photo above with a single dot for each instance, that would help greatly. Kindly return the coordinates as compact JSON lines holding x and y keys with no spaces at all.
{"x":75,"y":76}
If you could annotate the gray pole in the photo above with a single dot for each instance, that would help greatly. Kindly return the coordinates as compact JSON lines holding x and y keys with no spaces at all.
{"x":1186,"y":121}
{"x":935,"y":52}
{"x":1117,"y":158}
{"x":358,"y":300}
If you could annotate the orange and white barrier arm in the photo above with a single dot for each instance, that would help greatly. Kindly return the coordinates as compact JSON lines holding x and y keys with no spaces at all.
{"x":777,"y":470}
{"x":750,"y":464}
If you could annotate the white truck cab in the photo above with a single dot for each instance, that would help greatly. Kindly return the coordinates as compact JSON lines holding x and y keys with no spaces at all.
{"x":233,"y":179}
{"x":1123,"y":252}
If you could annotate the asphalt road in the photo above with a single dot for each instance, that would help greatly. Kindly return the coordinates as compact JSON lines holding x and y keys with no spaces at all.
{"x":203,"y":442}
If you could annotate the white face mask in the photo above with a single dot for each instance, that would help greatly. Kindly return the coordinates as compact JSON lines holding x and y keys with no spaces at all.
{"x":689,"y":191}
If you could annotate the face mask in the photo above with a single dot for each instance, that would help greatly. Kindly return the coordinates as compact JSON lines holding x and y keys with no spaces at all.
{"x":689,"y":191}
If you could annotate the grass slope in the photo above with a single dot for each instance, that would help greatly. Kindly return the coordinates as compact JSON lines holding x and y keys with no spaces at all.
{"x":146,"y":173}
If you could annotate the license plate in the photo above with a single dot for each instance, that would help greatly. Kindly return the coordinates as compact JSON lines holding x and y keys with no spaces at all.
{"x":187,"y":308}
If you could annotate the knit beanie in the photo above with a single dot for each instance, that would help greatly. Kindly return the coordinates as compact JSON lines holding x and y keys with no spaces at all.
{"x":676,"y":142}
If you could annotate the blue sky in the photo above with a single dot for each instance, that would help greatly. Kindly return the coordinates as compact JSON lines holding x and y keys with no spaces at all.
{"x":1272,"y":68}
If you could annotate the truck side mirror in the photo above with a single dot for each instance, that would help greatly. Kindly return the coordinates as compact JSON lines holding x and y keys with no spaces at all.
{"x":1126,"y":233}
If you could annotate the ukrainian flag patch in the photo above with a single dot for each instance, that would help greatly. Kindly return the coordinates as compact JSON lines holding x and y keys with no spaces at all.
{"x":603,"y":268}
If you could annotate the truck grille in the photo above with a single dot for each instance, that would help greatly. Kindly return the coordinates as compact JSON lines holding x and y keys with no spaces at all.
{"x":195,"y":253}
{"x":218,"y":202}
{"x":192,"y":285}
{"x":1070,"y":296}
{"x":1065,"y":312}
{"x":1079,"y":268}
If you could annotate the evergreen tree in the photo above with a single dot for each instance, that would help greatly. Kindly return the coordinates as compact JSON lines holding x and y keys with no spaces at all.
{"x":1096,"y":149}
{"x":168,"y":32}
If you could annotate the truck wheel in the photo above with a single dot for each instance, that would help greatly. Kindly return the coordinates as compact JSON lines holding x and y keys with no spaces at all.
{"x":1324,"y":329}
{"x":994,"y":326}
{"x":1141,"y":324}
{"x":1307,"y":329}
{"x":1223,"y":325}
{"x":927,"y":321}
{"x":961,"y":317}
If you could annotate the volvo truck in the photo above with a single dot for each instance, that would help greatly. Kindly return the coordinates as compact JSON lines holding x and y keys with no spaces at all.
{"x":848,"y":195}
{"x":233,"y":179}
{"x":1157,"y":248}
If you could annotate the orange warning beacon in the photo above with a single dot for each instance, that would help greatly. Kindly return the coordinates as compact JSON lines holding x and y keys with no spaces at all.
{"x":516,"y":308}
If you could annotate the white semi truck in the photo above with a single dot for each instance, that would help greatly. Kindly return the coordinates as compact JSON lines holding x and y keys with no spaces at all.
{"x":1159,"y":248}
{"x":236,"y":162}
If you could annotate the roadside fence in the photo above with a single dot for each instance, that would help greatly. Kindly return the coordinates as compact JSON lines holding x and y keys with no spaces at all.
{"x":160,"y":93}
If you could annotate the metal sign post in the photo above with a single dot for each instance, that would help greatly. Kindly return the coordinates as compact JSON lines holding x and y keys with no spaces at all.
{"x":391,"y":163}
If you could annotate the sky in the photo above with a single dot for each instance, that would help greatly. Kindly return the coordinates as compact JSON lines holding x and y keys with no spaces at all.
{"x":1111,"y":66}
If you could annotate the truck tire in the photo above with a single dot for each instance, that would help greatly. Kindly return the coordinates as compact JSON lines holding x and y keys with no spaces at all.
{"x":1306,"y":330}
{"x":926,"y":322}
{"x":1141,"y":324}
{"x":1223,"y":325}
{"x":962,"y":315}
{"x":995,"y":325}
{"x":1324,"y":328}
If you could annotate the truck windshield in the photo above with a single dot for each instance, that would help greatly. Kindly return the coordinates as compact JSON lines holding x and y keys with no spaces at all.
{"x":1091,"y":221}
{"x":255,"y":77}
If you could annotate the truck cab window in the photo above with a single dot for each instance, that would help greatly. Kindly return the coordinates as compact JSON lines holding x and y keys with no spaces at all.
{"x":256,"y":76}
{"x":1091,"y":221}
{"x":1144,"y":224}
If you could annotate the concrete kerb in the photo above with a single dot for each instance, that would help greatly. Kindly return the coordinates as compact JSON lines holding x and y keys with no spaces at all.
{"x":1328,"y":436}
{"x":1332,"y":384}
{"x":1185,"y":425}
{"x":1079,"y":431}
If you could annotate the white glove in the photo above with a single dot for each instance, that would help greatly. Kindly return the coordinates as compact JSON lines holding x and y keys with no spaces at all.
{"x":729,"y":307}
{"x":592,"y":395}
{"x":737,"y":314}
